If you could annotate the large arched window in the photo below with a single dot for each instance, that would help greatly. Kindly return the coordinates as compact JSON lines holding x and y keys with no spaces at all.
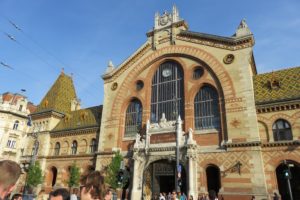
{"x":282,"y":130}
{"x":206,"y":109}
{"x":167,"y":92}
{"x":133,"y":121}
{"x":57,"y":149}
{"x":74,"y":147}
{"x":93,"y":146}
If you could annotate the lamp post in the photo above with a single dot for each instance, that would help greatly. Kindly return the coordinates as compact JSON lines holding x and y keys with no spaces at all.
{"x":288,"y":176}
{"x":25,"y":166}
{"x":178,"y":166}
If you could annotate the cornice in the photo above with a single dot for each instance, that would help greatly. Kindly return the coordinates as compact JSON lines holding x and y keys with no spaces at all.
{"x":282,"y":143}
{"x":46,"y":113}
{"x":127,"y":63}
{"x":15,"y":114}
{"x":72,"y":132}
{"x":242,"y":144}
{"x":229,"y":43}
{"x":277,"y":106}
{"x":68,"y":156}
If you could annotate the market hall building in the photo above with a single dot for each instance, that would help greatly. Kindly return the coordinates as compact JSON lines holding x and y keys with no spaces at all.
{"x":234,"y":128}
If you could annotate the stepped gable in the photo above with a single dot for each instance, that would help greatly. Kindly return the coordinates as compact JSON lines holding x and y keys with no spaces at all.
{"x":59,"y":97}
{"x":277,"y":86}
{"x":78,"y":119}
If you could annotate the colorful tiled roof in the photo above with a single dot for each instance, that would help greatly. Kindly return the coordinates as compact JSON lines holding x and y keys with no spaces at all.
{"x":83,"y":118}
{"x":277,"y":86}
{"x":60,"y":96}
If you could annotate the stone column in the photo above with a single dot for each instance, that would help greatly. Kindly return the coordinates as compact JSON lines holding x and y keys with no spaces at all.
{"x":139,"y":163}
{"x":191,"y":155}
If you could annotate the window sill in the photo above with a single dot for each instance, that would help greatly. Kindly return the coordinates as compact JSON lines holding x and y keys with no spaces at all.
{"x":206,"y":131}
{"x":128,"y":138}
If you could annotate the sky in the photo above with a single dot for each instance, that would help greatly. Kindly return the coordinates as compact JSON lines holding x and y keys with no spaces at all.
{"x":81,"y":36}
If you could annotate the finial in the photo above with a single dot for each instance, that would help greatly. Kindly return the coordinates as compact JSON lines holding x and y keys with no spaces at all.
{"x":62,"y":71}
{"x":242,"y":29}
{"x":110,"y":66}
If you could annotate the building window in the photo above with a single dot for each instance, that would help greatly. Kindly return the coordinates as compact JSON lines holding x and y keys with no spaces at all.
{"x":206,"y":109}
{"x":16,"y":124}
{"x":20,"y":107}
{"x":93,"y":146}
{"x":133,"y":121}
{"x":198,"y":73}
{"x":74,"y":147}
{"x":57,"y":149}
{"x":11,"y":144}
{"x":167,"y":92}
{"x":282,"y":130}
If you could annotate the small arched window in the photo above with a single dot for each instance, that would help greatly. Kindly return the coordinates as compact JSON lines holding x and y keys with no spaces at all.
{"x":282,"y":130}
{"x":74,"y":147}
{"x":57,"y":149}
{"x":16,"y":124}
{"x":93,"y":146}
{"x":206,"y":109}
{"x":133,"y":121}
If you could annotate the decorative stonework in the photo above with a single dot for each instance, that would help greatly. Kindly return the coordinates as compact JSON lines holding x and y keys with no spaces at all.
{"x":235,"y":123}
{"x":196,"y":53}
{"x":228,"y":59}
{"x":217,"y":44}
{"x":114,"y":86}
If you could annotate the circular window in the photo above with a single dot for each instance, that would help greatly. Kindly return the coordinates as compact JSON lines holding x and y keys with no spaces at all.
{"x":139,"y":85}
{"x":198,"y":73}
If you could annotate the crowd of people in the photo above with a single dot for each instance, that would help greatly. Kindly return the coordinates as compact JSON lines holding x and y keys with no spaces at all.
{"x":93,"y":188}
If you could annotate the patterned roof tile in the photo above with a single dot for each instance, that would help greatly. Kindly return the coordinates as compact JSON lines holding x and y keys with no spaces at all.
{"x":277,"y":86}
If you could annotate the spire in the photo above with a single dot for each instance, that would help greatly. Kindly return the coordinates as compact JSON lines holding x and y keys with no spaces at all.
{"x":60,"y":95}
{"x":242,"y":29}
{"x":175,"y":14}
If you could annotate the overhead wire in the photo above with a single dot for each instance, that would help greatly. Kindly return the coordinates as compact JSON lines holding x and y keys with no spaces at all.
{"x":18,"y":28}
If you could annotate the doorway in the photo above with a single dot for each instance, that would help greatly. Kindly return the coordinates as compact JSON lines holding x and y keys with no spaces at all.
{"x":282,"y":181}
{"x":213,"y":178}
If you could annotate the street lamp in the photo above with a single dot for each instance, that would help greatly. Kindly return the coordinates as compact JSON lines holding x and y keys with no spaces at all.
{"x":288,"y":175}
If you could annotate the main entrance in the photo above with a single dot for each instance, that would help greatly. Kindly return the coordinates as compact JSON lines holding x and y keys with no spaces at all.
{"x":160,"y":177}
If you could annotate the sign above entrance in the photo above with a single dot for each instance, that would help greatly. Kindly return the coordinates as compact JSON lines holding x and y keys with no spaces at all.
{"x":163,"y":169}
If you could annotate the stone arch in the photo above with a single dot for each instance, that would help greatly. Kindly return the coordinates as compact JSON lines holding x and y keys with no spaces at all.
{"x":213,"y":178}
{"x":196,"y":54}
{"x":263,"y":131}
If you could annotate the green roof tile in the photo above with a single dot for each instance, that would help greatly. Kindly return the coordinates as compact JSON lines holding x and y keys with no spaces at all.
{"x":83,"y":118}
{"x":277,"y":86}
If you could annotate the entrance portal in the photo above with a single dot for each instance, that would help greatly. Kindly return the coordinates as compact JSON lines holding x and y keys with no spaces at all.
{"x":159,"y":177}
{"x":295,"y":180}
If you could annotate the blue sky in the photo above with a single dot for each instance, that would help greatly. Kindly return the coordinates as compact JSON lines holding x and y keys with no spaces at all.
{"x":83,"y":35}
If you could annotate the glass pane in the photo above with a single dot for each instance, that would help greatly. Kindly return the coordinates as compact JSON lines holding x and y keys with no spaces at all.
{"x":167,"y":92}
{"x":206,"y":109}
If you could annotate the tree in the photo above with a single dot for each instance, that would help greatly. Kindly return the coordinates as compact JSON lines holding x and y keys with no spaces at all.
{"x":74,"y":176}
{"x":35,"y":175}
{"x":114,"y":175}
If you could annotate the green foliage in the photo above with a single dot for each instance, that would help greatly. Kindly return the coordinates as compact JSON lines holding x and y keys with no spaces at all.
{"x":74,"y":175}
{"x":35,"y":175}
{"x":112,"y":171}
